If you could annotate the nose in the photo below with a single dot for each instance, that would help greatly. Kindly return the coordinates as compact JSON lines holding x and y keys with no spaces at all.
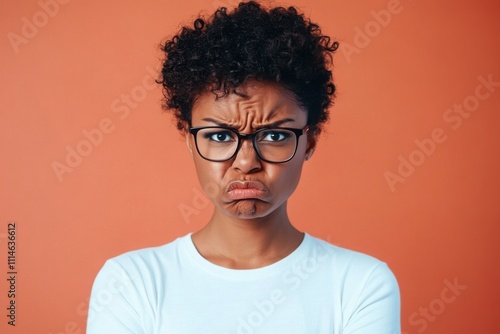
{"x":246,"y":160}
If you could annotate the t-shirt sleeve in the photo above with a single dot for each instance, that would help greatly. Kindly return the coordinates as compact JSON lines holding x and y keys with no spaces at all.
{"x":377,"y":307}
{"x":114,"y":302}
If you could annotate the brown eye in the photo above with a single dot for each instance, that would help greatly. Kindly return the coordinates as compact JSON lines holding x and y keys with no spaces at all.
{"x":219,"y":136}
{"x":274,"y":136}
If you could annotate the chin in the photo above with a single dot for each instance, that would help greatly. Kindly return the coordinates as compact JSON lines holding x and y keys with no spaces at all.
{"x":248,"y":209}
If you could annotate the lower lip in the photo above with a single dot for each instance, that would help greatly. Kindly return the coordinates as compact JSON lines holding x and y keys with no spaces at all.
{"x":247,"y":193}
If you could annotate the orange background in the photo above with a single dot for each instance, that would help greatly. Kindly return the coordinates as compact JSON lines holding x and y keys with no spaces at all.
{"x":77,"y":68}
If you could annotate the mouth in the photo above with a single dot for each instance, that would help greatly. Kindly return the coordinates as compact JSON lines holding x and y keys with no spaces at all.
{"x":240,"y":190}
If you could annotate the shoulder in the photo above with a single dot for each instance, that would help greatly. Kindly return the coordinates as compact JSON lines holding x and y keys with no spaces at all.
{"x":148,"y":255}
{"x":339,"y":255}
{"x":365,"y":288}
{"x":142,"y":264}
{"x":351,"y":269}
{"x":127,"y":286}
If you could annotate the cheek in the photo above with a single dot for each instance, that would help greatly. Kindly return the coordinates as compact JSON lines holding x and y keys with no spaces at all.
{"x":286,"y":177}
{"x":210,"y":175}
{"x":289,"y":173}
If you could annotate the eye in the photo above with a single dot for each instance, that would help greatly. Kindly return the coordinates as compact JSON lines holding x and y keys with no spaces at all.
{"x":219,"y":136}
{"x":274,"y":135}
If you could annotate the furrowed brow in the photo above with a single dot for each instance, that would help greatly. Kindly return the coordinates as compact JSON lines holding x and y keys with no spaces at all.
{"x":216,"y":122}
{"x":269,"y":125}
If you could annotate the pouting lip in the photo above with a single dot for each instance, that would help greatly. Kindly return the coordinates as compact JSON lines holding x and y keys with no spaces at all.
{"x":242,"y":190}
{"x":246,"y":185}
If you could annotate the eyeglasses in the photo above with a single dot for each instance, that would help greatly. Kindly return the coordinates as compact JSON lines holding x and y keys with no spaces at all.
{"x":275,"y":145}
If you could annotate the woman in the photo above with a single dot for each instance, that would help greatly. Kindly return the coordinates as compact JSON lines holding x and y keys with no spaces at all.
{"x":250,"y":90}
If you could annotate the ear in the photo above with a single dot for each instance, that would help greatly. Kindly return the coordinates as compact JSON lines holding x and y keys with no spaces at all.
{"x":312,"y":139}
{"x":189,"y":143}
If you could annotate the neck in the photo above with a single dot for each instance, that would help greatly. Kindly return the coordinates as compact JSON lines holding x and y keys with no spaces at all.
{"x":247,"y":243}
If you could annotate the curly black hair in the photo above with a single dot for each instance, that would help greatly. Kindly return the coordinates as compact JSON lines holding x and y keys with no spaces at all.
{"x":275,"y":45}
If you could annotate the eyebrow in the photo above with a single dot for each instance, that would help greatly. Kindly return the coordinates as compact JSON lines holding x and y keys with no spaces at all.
{"x":270,"y":125}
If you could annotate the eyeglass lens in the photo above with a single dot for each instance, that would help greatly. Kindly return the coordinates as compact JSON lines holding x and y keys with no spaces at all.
{"x":219,"y":144}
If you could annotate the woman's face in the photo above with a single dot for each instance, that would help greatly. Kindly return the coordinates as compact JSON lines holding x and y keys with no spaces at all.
{"x":246,"y":187}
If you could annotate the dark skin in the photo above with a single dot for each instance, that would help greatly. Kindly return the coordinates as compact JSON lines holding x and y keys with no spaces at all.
{"x":249,"y":229}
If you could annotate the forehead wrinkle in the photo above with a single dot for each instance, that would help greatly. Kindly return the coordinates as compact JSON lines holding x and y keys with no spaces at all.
{"x":253,"y":108}
{"x":257,"y":114}
{"x":248,"y":109}
{"x":230,"y":113}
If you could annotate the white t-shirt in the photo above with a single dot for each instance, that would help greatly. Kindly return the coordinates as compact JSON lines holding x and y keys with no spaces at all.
{"x":318,"y":289}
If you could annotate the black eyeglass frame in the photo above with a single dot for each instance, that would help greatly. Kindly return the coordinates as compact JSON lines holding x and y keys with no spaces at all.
{"x":250,"y":136}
